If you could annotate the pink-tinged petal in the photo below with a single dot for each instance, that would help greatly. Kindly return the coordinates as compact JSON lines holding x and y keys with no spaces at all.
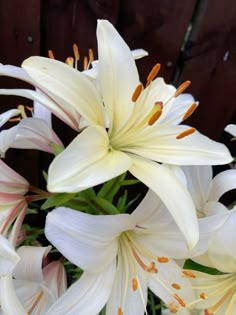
{"x":66,"y":86}
{"x":54,"y":275}
{"x":86,"y":162}
{"x":8,"y":257}
{"x":86,"y":296}
{"x":30,"y":266}
{"x":63,"y":111}
{"x":35,"y":133}
{"x":117,"y":75}
{"x":10,"y":304}
{"x":80,"y":237}
{"x":4,"y":117}
{"x":221,"y":183}
{"x":164,"y":183}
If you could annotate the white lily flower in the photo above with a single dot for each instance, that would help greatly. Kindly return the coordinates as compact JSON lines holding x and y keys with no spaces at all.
{"x":121,"y":255}
{"x":218,"y":292}
{"x":206,"y":191}
{"x":231,"y":129}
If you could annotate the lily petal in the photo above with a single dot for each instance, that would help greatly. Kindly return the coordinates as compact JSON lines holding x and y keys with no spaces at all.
{"x":71,"y":88}
{"x":80,"y":237}
{"x":117,"y":74}
{"x":180,"y":205}
{"x":8,"y":257}
{"x":4,"y":117}
{"x":86,"y":296}
{"x":92,"y":159}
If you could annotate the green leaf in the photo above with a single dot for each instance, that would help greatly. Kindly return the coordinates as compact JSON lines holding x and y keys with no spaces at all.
{"x":110,"y":188}
{"x":57,"y":200}
{"x":192,"y":265}
{"x":103,"y":206}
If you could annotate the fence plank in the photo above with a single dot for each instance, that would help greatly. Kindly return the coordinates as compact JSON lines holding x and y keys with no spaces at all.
{"x":210,"y":63}
{"x":20,"y":38}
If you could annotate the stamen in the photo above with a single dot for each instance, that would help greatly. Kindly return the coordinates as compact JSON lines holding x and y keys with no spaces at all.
{"x":91,"y":55}
{"x":151,"y":268}
{"x":50,"y":54}
{"x":21,"y":108}
{"x":155,"y":117}
{"x":85,"y":63}
{"x":185,"y":133}
{"x":188,"y":273}
{"x":120,"y":312}
{"x":189,"y":111}
{"x":134,"y":284}
{"x":214,"y":308}
{"x":70,"y":61}
{"x":182,"y":88}
{"x":173,"y":307}
{"x":76,"y":52}
{"x":153,"y":73}
{"x":163,"y":259}
{"x":176,"y":286}
{"x":179,"y":299}
{"x":15,"y":119}
{"x":137,"y":92}
{"x":29,"y":108}
{"x":202,"y":295}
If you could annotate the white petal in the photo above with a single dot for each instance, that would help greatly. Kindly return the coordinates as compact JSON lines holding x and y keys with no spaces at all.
{"x":139,"y":53}
{"x":88,"y":241}
{"x":30,"y":265}
{"x":222,"y":183}
{"x":4,"y":117}
{"x":7,"y":137}
{"x":199,"y":183}
{"x":117,"y":74}
{"x":231,"y":129}
{"x":10,"y":304}
{"x":8,"y":257}
{"x":40,"y":111}
{"x":159,"y":143}
{"x":67,"y":86}
{"x":86,"y":162}
{"x":86,"y":296}
{"x":164,"y":183}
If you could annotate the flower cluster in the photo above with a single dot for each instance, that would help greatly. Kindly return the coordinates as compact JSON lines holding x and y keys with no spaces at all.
{"x":119,"y":254}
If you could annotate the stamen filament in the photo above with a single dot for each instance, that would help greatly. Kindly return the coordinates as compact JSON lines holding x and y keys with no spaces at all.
{"x":214,"y":308}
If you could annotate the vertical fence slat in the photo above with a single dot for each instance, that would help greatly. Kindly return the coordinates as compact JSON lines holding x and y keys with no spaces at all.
{"x":210,"y":63}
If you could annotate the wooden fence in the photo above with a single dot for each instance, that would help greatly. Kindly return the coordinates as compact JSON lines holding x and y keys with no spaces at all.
{"x":192,"y":39}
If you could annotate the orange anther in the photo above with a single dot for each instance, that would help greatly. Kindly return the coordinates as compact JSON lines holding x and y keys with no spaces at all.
{"x":176,"y":286}
{"x":188,"y":273}
{"x":76,"y":52}
{"x":134,"y":284}
{"x":151,"y":268}
{"x":137,"y":92}
{"x":182,"y":88}
{"x":50,"y":54}
{"x":179,"y":299}
{"x":163,"y":259}
{"x":91,"y":55}
{"x":189,"y":111}
{"x":154,"y":117}
{"x":85,"y":63}
{"x":202,"y":295}
{"x":153,"y":73}
{"x":70,"y":61}
{"x":173,"y":307}
{"x":185,"y":133}
{"x":120,"y":312}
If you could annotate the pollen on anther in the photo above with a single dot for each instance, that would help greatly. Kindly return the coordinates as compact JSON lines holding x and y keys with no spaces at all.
{"x":50,"y":54}
{"x":182,"y":88}
{"x":189,"y":111}
{"x":137,"y":92}
{"x":76,"y":52}
{"x":202,"y":295}
{"x":185,"y":133}
{"x":176,"y":286}
{"x":134,"y":284}
{"x":85,"y":65}
{"x":151,"y":268}
{"x":154,"y":117}
{"x":179,"y":299}
{"x":91,"y":55}
{"x":188,"y":273}
{"x":70,"y":61}
{"x":119,"y":312}
{"x":153,"y":73}
{"x":163,"y":259}
{"x":173,"y":307}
